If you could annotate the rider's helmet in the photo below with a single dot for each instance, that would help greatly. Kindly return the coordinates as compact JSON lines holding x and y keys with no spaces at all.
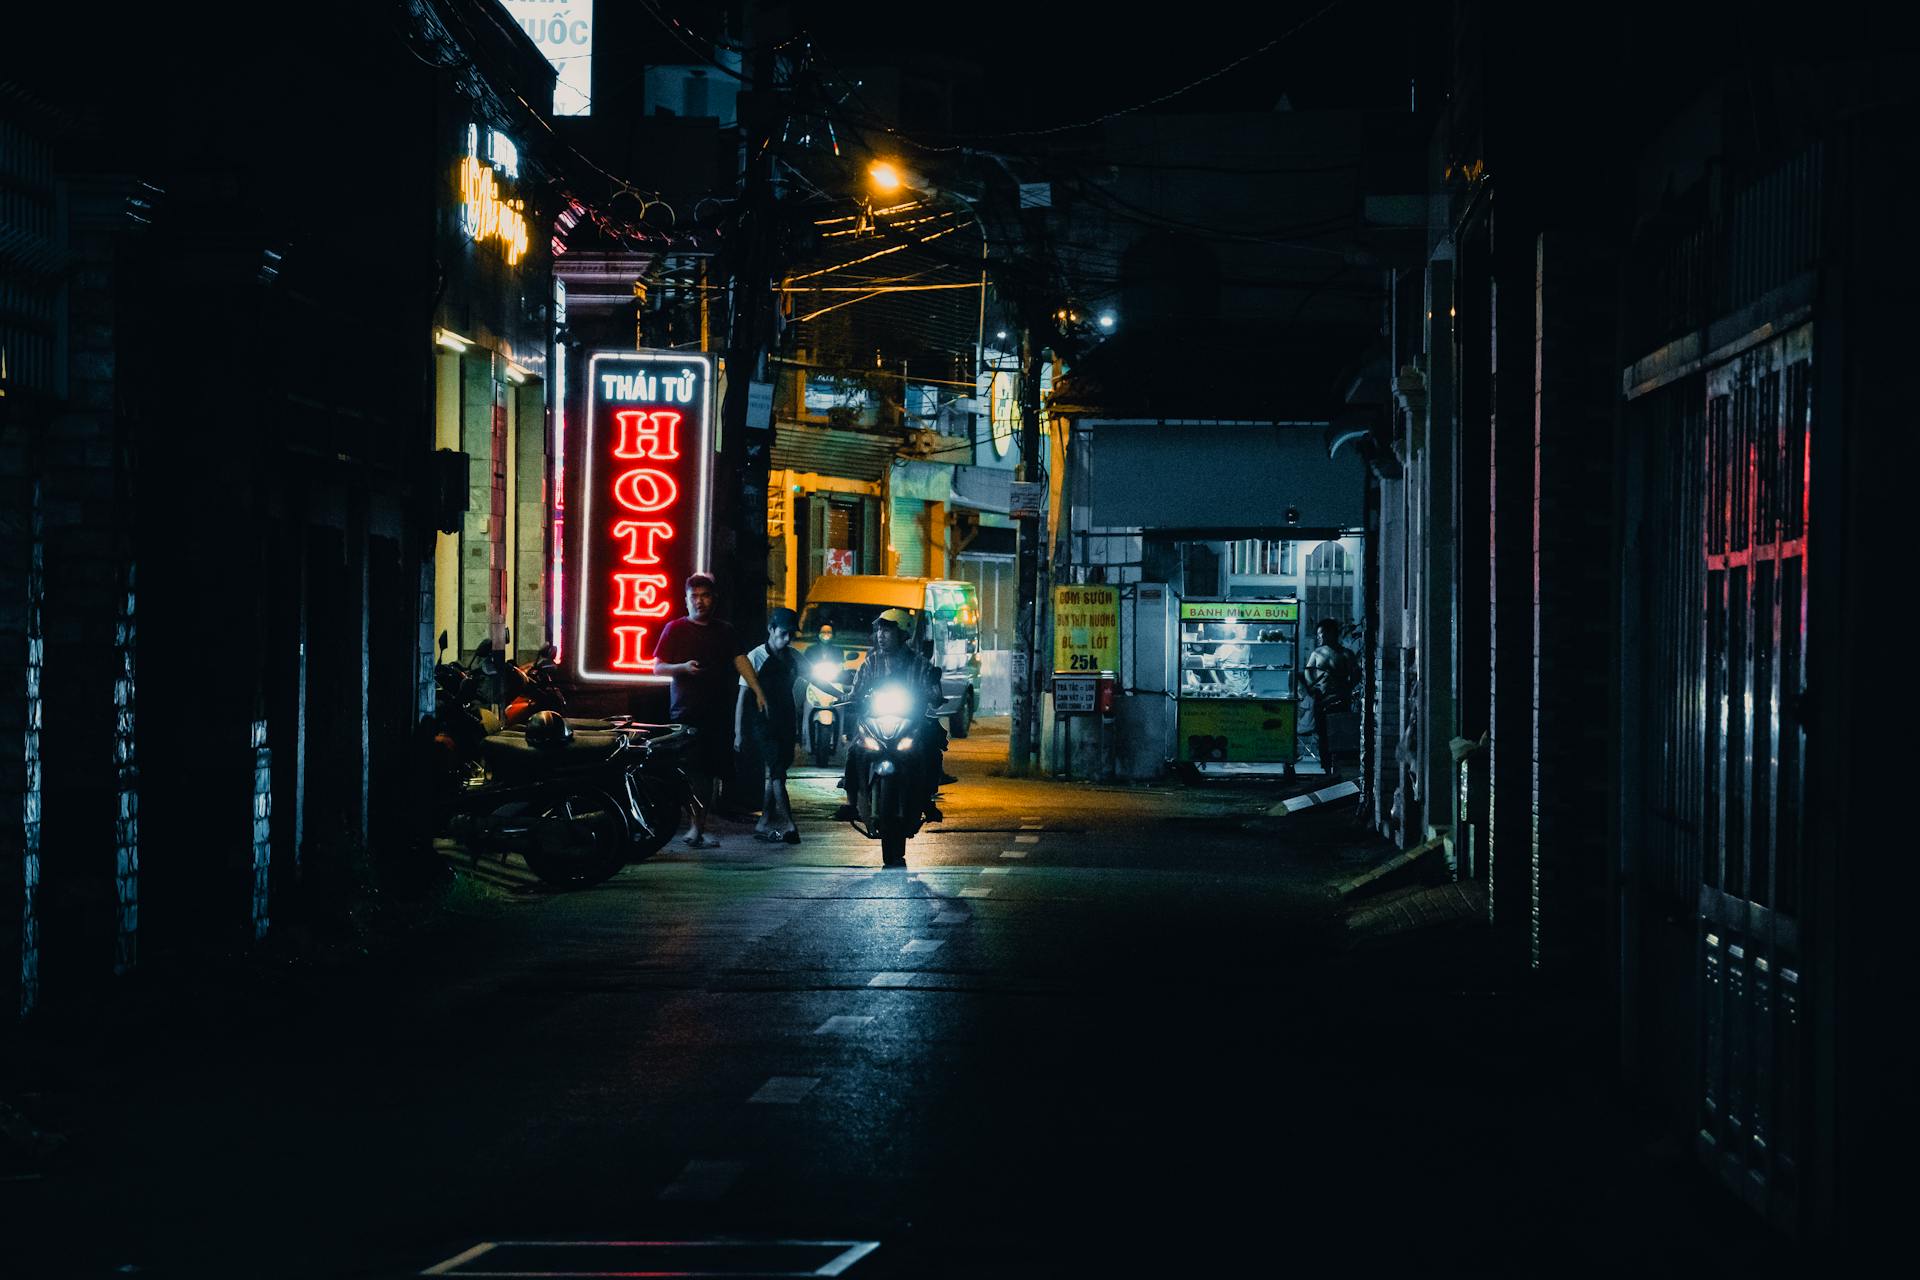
{"x":897,"y":618}
{"x":548,"y":729}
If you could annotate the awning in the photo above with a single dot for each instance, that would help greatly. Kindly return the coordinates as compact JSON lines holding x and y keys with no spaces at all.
{"x":1220,"y":475}
{"x":923,"y":481}
{"x":832,"y":451}
{"x":983,"y":488}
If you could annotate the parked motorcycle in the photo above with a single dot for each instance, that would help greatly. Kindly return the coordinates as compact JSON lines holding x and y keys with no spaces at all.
{"x":534,"y":687}
{"x":564,"y":801}
{"x":892,"y":795}
{"x":577,"y":799}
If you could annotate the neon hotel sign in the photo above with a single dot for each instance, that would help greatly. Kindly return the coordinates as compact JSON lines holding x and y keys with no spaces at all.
{"x":645,"y":498}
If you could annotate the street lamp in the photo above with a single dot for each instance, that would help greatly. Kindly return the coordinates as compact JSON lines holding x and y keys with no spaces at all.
{"x":888,"y":178}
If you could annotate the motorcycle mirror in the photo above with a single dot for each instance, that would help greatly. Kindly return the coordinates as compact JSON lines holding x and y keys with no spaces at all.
{"x":443,"y":642}
{"x":506,"y":637}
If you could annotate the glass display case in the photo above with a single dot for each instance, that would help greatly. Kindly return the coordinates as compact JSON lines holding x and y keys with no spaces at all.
{"x":1236,"y":662}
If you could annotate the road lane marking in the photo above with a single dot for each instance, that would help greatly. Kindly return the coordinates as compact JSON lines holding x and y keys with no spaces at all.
{"x":1026,"y":839}
{"x":921,"y":945}
{"x":704,"y":1180}
{"x":995,"y":871}
{"x":459,"y":1259}
{"x":1030,"y":826}
{"x":1013,"y":853}
{"x":781,"y":1090}
{"x":977,"y":891}
{"x":728,"y":1256}
{"x":952,"y":917}
{"x":842,"y":1024}
{"x":889,"y":979}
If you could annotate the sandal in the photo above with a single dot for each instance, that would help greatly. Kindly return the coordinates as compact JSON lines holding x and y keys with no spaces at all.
{"x":700,"y":842}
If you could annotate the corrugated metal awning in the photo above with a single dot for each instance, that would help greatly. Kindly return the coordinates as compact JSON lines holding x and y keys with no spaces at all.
{"x":833,"y":451}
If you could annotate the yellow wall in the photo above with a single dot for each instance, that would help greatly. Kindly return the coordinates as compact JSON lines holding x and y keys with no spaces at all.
{"x":446,"y":546}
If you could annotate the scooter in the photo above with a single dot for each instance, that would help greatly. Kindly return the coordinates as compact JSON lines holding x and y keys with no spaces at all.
{"x":892,"y":795}
{"x":559,"y":796}
{"x":533,"y":687}
{"x":564,"y":801}
{"x":826,"y":715}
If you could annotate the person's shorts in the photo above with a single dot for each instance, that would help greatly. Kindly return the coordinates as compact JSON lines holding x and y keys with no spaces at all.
{"x":711,"y":752}
{"x":775,"y":749}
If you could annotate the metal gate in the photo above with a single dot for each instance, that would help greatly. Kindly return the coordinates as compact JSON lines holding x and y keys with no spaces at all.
{"x":1750,"y":669}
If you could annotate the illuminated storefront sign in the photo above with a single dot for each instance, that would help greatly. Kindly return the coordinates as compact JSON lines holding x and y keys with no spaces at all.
{"x":486,"y":212}
{"x":644,"y":498}
{"x":564,"y":31}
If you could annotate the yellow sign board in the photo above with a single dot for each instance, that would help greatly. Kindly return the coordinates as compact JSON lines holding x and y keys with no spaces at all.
{"x":1086,"y":628}
{"x":1239,"y":611}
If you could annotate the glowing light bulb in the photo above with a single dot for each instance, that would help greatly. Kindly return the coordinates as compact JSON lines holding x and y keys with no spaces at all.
{"x":885,"y":176}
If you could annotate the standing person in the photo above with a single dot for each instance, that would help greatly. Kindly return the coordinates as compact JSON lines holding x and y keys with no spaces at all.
{"x":774,"y":728}
{"x":1329,"y":676}
{"x":702,"y":655}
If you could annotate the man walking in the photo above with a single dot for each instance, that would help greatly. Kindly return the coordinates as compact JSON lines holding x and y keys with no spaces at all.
{"x":703,"y":656}
{"x":773,"y":729}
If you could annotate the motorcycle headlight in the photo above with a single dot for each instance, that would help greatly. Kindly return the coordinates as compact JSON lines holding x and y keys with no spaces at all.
{"x":869,"y":743}
{"x":826,"y":671}
{"x":891,"y":700}
{"x":905,"y":744}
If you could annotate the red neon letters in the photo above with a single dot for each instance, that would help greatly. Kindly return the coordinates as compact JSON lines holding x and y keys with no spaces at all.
{"x":647,"y":496}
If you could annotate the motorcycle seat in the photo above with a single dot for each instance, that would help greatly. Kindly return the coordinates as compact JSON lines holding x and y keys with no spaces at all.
{"x":512,"y":750}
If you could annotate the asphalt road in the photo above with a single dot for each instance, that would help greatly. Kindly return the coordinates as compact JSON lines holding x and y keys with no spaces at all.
{"x":1088,"y":1031}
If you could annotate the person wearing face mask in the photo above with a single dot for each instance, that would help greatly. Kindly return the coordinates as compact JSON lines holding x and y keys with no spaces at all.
{"x":773,"y":727}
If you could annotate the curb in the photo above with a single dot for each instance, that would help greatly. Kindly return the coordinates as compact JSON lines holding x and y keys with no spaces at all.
{"x":1325,"y":795}
{"x":1375,"y":879}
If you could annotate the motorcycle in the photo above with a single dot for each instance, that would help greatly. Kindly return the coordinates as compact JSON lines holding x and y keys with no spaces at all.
{"x":565,"y":801}
{"x":892,"y":796}
{"x":826,"y":715}
{"x":534,"y":687}
{"x":577,"y":799}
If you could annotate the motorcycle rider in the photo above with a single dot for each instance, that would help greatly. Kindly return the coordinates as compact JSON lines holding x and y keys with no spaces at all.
{"x":893,"y":660}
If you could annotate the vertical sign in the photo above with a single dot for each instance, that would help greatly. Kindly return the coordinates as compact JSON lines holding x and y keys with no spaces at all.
{"x":645,"y":494}
{"x":564,"y":31}
{"x":1086,"y":628}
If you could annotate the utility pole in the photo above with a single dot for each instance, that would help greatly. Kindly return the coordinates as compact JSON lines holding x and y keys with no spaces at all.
{"x":1020,"y":741}
{"x":740,"y":510}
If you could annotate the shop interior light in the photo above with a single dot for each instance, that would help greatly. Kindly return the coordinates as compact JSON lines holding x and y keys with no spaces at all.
{"x":451,"y":340}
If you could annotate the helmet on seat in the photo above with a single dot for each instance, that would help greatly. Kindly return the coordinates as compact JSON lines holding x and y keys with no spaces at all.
{"x":548,"y":729}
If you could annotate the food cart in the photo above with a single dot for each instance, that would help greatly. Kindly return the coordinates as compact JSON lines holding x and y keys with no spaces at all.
{"x":1236,"y":700}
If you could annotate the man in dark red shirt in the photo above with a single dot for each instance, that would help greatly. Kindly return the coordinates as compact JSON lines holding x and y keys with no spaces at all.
{"x":705,"y":659}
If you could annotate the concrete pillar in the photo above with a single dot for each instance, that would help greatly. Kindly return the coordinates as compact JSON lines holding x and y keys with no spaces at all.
{"x":1575,"y":567}
{"x":1509,"y":842}
{"x":22,"y":592}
